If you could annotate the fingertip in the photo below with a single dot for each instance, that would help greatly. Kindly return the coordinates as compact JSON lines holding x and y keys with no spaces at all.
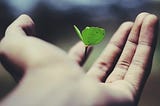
{"x":24,"y":20}
{"x":140,"y":18}
{"x":23,"y":25}
{"x":125,"y":26}
{"x":24,"y":16}
{"x":142,"y":14}
{"x":127,"y":23}
{"x":151,"y":19}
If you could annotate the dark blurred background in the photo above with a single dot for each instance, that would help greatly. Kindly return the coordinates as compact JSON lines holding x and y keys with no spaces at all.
{"x":54,"y":21}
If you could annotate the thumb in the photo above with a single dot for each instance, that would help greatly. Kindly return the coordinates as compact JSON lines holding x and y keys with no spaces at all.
{"x":15,"y":33}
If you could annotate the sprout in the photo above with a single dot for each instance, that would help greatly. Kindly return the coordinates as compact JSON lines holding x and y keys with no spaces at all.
{"x":90,"y":36}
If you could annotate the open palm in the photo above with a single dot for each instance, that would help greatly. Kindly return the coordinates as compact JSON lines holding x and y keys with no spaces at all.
{"x":50,"y":77}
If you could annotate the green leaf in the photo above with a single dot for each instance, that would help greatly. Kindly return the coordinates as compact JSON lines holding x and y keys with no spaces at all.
{"x":93,"y":35}
{"x":78,"y":32}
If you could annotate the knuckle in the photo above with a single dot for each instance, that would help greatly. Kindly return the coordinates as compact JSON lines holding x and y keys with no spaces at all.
{"x":145,"y":43}
{"x":116,"y":44}
{"x":132,"y":41}
{"x":103,"y":66}
{"x":138,"y":63}
{"x":124,"y":64}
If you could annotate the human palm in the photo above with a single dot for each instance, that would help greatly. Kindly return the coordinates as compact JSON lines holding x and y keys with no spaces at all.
{"x":49,"y":76}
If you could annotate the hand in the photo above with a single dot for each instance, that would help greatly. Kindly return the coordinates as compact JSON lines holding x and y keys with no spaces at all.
{"x":50,"y":77}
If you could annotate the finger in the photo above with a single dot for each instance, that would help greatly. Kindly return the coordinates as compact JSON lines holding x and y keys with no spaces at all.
{"x":128,"y":52}
{"x":105,"y":63}
{"x":24,"y":52}
{"x":77,"y":53}
{"x":142,"y":61}
{"x":23,"y":25}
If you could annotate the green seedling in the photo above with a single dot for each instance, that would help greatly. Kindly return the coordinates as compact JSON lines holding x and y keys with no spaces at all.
{"x":90,"y":36}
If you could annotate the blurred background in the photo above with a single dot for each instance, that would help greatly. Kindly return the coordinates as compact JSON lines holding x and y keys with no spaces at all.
{"x":54,"y":21}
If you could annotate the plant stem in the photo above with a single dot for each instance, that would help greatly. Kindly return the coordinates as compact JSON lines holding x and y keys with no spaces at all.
{"x":84,"y":56}
{"x":85,"y":52}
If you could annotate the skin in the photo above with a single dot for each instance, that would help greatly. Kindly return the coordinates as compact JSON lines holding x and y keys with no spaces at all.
{"x":48,"y":76}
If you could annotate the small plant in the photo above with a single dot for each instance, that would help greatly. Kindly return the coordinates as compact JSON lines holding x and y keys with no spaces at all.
{"x":90,"y":36}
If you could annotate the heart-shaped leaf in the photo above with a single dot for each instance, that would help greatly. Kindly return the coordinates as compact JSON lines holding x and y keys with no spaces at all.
{"x":91,"y":35}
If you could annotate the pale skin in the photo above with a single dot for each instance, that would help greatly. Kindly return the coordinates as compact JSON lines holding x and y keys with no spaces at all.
{"x":48,"y":76}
